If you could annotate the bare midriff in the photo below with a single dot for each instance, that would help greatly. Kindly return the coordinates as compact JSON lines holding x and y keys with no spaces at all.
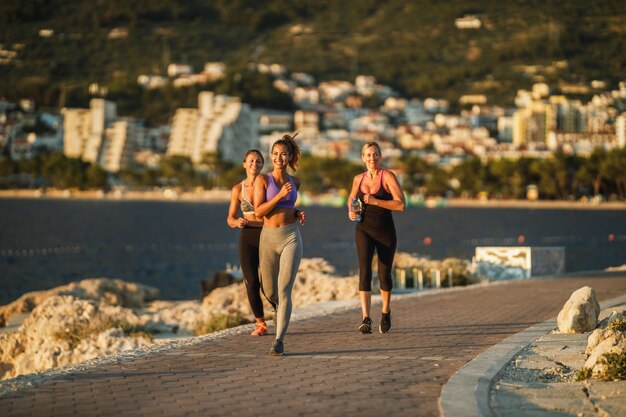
{"x":279,"y":217}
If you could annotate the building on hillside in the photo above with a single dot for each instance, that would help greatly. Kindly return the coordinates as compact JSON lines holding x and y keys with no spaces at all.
{"x":119,"y":144}
{"x":83,"y":129}
{"x":468,"y":22}
{"x":95,"y":135}
{"x":533,"y":123}
{"x":270,"y":121}
{"x":306,"y":122}
{"x":220,"y":125}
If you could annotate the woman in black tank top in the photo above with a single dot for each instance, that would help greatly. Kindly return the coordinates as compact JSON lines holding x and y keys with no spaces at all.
{"x":379,"y":194}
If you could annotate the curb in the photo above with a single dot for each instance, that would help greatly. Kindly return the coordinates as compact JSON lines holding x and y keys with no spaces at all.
{"x":466,"y":394}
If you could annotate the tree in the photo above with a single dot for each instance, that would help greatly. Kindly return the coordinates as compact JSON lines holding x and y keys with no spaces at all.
{"x":416,"y":172}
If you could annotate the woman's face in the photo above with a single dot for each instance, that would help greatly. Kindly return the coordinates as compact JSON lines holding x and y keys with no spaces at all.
{"x":253,"y":164}
{"x":371,"y":157}
{"x":280,"y":156}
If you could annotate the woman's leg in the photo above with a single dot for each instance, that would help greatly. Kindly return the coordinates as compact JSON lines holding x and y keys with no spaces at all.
{"x":269,"y":259}
{"x":289,"y":262}
{"x":249,"y":259}
{"x":365,"y":252}
{"x":386,"y":253}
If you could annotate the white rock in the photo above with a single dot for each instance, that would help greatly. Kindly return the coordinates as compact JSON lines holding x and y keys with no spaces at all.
{"x":42,"y":341}
{"x":598,"y":336}
{"x":580,"y":313}
{"x":105,"y":291}
{"x":612,"y":344}
{"x":614,"y":316}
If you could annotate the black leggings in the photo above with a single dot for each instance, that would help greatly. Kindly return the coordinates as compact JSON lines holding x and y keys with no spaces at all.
{"x":249,"y":259}
{"x":384,"y":241}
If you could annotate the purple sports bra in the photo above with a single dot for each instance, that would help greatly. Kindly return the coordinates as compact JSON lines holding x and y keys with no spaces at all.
{"x":287,"y":202}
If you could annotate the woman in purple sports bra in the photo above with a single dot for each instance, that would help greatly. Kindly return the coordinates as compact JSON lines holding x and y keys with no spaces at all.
{"x":242,"y":198}
{"x":379,"y":193}
{"x":275,"y":196}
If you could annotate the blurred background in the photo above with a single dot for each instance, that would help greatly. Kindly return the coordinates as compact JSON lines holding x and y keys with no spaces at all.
{"x":474,"y":101}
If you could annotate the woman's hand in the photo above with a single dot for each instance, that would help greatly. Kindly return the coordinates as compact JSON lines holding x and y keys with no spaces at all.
{"x":285,"y":189}
{"x":241,"y":222}
{"x":352,"y":215}
{"x":300,"y":215}
{"x":370,"y":199}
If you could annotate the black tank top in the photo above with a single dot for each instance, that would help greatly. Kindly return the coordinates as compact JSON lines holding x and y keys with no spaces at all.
{"x":376,"y":216}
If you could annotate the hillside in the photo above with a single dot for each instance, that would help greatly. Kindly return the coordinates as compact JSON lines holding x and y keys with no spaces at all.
{"x":413,"y":46}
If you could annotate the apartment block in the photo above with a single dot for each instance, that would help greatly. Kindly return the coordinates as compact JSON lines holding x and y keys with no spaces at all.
{"x":221,"y":124}
{"x":95,"y":135}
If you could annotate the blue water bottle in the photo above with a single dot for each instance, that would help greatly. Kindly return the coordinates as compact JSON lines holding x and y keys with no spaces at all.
{"x":357,"y":207}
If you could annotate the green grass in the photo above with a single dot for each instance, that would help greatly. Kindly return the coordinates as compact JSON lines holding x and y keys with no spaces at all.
{"x":583,"y":374}
{"x":618,"y":325}
{"x":81,"y":330}
{"x":615,"y":366}
{"x":220,"y":322}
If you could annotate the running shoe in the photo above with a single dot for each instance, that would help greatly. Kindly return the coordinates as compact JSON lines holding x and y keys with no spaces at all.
{"x":259,"y":329}
{"x":385,"y":322}
{"x":277,"y":348}
{"x":366,"y":326}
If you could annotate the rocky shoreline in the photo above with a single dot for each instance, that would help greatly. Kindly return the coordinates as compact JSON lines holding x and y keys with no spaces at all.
{"x":546,"y":378}
{"x":97,"y":317}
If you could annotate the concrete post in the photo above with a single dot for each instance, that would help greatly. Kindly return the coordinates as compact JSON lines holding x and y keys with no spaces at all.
{"x":418,"y":277}
{"x":401,"y":276}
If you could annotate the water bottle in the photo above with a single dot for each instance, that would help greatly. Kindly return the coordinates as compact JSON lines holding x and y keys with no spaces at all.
{"x":357,"y":207}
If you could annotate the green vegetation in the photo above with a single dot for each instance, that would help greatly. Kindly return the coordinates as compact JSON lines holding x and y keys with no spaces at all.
{"x":321,"y":175}
{"x":220,"y":322}
{"x":51,"y":169}
{"x":559,"y":177}
{"x":615,"y":366}
{"x":412,"y":46}
{"x":618,"y":325}
{"x":82,"y":329}
{"x":583,"y":374}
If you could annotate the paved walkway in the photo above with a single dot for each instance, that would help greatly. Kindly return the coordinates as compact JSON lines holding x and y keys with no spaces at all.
{"x":329,"y":368}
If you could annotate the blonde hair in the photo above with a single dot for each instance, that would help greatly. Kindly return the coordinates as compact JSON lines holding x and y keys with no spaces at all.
{"x":293,"y":149}
{"x":374,"y":144}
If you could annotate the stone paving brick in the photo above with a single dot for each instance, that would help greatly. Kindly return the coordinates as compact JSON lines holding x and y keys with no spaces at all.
{"x":329,"y":368}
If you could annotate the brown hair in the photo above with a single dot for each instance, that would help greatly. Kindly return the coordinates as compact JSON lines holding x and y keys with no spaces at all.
{"x":374,"y":144}
{"x":293,"y":149}
{"x":250,"y":151}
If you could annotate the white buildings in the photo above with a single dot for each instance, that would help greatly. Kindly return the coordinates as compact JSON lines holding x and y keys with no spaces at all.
{"x":95,"y":135}
{"x":220,"y":124}
{"x":468,"y":22}
{"x":118,"y":144}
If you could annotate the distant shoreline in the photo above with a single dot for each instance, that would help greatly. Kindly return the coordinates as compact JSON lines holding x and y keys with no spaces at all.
{"x":223,"y":196}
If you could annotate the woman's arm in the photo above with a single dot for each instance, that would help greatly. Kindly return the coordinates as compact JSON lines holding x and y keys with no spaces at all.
{"x":398,"y":203}
{"x":299,"y":215}
{"x":353,"y":192}
{"x":232,"y":219}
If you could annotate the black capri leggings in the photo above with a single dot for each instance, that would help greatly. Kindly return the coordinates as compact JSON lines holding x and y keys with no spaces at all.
{"x":249,"y":259}
{"x":384,"y":241}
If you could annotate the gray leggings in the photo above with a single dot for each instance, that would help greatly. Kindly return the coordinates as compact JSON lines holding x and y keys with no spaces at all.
{"x":280,"y":252}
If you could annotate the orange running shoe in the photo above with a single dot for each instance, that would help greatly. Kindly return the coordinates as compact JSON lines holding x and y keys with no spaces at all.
{"x":259,"y":329}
